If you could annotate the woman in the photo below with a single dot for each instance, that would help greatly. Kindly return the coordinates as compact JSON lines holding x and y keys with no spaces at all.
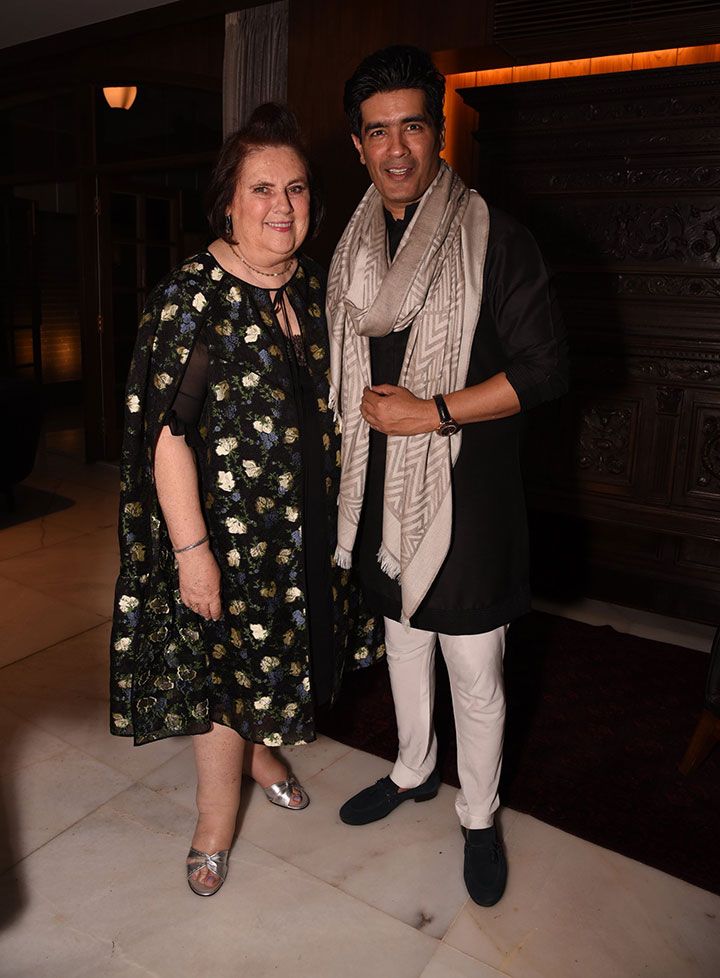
{"x":231,"y":620}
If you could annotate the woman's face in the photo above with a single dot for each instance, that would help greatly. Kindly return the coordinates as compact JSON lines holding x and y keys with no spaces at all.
{"x":270,"y":209}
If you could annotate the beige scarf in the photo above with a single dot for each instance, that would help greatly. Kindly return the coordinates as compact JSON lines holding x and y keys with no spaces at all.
{"x":434,"y":288}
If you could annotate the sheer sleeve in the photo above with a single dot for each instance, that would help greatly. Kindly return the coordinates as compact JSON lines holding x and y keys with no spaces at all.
{"x":183,"y":416}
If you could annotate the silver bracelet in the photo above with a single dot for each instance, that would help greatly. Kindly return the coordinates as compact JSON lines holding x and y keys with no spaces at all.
{"x":191,"y":546}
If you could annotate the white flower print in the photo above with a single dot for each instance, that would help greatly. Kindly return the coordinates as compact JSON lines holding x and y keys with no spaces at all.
{"x":263,"y":424}
{"x":258,"y":631}
{"x":122,"y":644}
{"x":272,"y":740}
{"x":161,"y":381}
{"x":263,"y":703}
{"x":199,"y":301}
{"x":306,"y":684}
{"x":292,"y":594}
{"x":235,"y":525}
{"x":183,"y":353}
{"x":252,"y":469}
{"x":221,"y":390}
{"x":226,"y":481}
{"x":285,"y":480}
{"x":251,"y":380}
{"x":259,"y":549}
{"x":216,"y":274}
{"x":269,"y":662}
{"x":168,"y":312}
{"x":234,"y":295}
{"x":233,"y":558}
{"x":226,"y":445}
{"x":127,"y":603}
{"x":291,"y":435}
{"x":290,"y":710}
{"x":291,"y":514}
{"x":192,"y":266}
{"x":252,"y":333}
{"x":133,"y":403}
{"x":242,"y":679}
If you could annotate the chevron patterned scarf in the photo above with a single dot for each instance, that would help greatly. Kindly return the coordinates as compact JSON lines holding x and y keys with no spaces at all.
{"x":433,"y":288}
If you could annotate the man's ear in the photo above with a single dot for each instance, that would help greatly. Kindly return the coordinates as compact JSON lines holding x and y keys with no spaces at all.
{"x":359,"y":148}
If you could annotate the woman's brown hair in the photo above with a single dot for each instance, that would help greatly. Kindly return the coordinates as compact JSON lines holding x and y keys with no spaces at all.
{"x":270,"y":124}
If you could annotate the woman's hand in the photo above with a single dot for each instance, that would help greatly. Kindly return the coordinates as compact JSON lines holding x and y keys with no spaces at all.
{"x":199,"y":577}
{"x":396,"y":411}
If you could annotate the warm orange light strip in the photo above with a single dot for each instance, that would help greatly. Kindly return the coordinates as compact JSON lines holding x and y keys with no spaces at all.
{"x":461,"y":119}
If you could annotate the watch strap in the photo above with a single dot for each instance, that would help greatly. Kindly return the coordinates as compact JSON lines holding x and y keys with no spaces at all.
{"x":442,"y":407}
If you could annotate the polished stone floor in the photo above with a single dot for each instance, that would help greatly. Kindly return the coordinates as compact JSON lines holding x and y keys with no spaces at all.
{"x":94,"y":832}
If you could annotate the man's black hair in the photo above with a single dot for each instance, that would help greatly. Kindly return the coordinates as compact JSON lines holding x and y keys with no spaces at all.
{"x":399,"y":66}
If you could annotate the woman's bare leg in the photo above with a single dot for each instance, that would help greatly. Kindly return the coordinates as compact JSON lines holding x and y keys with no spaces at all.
{"x":219,"y":763}
{"x":264,"y":766}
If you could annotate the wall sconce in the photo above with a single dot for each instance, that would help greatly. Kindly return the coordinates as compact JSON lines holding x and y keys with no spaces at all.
{"x":120,"y":98}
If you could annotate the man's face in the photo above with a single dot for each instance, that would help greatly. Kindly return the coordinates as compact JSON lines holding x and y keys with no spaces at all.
{"x":399,"y":145}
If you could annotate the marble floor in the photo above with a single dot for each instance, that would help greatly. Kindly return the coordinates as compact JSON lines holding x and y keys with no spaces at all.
{"x":93,"y":833}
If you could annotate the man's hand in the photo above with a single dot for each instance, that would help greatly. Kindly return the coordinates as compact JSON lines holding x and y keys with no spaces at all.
{"x":396,"y":411}
{"x":199,"y":579}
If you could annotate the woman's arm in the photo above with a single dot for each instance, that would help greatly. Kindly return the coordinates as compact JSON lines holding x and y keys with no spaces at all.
{"x":176,"y":481}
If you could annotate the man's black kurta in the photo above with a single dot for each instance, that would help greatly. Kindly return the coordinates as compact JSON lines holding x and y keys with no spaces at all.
{"x":483,"y":582}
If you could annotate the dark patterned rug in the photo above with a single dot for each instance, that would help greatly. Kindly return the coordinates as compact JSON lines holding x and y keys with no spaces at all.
{"x":597,"y":724}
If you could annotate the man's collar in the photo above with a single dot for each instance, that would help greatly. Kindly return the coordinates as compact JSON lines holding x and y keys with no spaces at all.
{"x":395,"y":223}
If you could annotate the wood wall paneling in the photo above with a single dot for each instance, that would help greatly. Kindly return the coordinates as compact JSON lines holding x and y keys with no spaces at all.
{"x":617,"y":176}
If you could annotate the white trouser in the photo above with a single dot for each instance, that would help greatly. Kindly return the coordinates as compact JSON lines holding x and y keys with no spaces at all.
{"x":475,"y":668}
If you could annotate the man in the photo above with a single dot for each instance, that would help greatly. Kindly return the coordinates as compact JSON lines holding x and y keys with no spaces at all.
{"x":442,"y":331}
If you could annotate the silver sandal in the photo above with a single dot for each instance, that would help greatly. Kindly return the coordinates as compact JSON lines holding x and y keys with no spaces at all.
{"x":281,"y":793}
{"x":217,"y":863}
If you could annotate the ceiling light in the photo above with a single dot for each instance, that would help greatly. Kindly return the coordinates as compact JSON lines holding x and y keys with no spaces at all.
{"x":120,"y":98}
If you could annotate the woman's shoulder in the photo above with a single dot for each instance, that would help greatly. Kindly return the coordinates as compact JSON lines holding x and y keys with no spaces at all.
{"x":196,"y":272}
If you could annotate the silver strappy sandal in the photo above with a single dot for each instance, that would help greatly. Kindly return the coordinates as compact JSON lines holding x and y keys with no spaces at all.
{"x":217,"y":863}
{"x":281,"y":793}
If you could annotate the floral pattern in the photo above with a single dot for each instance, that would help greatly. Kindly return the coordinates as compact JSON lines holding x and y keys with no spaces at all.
{"x":171,"y":671}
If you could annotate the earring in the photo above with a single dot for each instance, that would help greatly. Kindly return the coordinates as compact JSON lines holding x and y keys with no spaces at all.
{"x":228,"y":225}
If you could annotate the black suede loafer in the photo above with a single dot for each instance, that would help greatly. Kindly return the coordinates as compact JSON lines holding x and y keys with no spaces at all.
{"x":485,"y":866}
{"x":383,"y":797}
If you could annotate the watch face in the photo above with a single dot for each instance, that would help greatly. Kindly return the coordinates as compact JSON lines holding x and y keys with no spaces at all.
{"x":448,"y":428}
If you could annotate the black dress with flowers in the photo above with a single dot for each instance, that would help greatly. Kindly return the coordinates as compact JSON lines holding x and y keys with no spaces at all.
{"x":268,"y":458}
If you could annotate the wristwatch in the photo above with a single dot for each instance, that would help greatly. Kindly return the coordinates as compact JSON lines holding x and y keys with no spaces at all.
{"x":448,"y":424}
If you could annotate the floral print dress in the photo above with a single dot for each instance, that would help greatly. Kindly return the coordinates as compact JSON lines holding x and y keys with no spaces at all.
{"x":172,"y":672}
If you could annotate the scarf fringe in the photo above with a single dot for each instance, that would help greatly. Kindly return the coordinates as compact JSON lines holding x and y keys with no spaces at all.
{"x":334,"y":405}
{"x":343,"y":557}
{"x":389,"y":564}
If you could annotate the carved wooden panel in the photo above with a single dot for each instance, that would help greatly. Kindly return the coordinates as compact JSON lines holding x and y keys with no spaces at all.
{"x":618,"y":176}
{"x":702,"y":474}
{"x":604,"y":443}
